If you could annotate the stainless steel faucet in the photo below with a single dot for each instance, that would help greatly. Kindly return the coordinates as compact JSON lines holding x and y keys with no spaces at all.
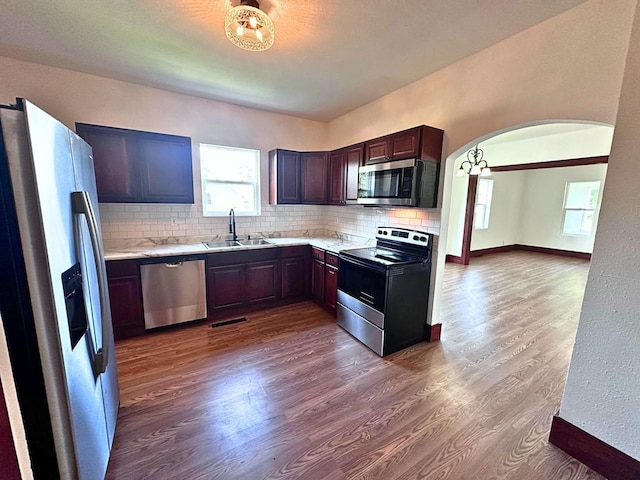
{"x":232,"y":224}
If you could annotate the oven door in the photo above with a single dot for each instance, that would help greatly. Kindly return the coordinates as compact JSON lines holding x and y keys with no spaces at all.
{"x":391,"y":183}
{"x":361,"y":300}
{"x":363,"y":283}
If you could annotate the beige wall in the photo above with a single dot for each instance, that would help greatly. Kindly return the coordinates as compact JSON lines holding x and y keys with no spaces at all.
{"x":568,"y":67}
{"x":602,"y":394}
{"x":77,"y":97}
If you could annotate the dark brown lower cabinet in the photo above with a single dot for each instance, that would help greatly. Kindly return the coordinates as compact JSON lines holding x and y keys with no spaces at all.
{"x":225,"y":287}
{"x":317,"y":281}
{"x":295,"y":277}
{"x":237,"y":283}
{"x":125,"y":294}
{"x":331,"y":288}
{"x":324,"y":280}
{"x":8,"y":459}
{"x":261,"y":282}
{"x":242,"y":281}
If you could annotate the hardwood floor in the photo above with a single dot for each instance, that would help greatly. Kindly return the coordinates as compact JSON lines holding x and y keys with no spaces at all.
{"x":288,"y":394}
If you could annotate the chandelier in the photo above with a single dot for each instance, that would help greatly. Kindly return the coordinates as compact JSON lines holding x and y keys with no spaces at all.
{"x":474,"y":164}
{"x":249,"y":27}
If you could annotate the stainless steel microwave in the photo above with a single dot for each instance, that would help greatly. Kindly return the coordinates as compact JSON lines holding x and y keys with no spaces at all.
{"x":408,"y":183}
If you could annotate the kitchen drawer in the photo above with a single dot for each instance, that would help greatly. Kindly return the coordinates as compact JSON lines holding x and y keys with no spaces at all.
{"x":122,"y":268}
{"x":331,"y":259}
{"x":317,"y":253}
{"x":292,"y":252}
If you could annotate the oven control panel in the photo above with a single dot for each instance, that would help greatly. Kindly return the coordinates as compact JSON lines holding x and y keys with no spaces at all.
{"x":412,"y":237}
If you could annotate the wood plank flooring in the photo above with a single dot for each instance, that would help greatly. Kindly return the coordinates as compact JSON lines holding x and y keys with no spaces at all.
{"x":289,"y":395}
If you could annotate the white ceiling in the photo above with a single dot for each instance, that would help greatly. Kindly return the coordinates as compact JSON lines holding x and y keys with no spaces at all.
{"x":329,"y":56}
{"x":541,"y":131}
{"x":544,"y":143}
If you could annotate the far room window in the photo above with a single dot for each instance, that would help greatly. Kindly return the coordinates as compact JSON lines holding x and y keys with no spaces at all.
{"x":483,"y":204}
{"x":580,"y":201}
{"x":230,"y":179}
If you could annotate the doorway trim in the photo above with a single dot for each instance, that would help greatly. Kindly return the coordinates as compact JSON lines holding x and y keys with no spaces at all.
{"x":466,"y":253}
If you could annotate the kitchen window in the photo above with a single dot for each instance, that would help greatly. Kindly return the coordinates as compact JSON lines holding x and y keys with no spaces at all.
{"x":580,"y":201}
{"x":230,"y":179}
{"x":482,"y":209}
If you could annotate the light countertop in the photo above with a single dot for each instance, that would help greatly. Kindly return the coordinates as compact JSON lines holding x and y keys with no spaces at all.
{"x":334,"y":245}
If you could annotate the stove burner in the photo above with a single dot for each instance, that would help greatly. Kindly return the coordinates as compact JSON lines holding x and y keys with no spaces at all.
{"x":390,"y":256}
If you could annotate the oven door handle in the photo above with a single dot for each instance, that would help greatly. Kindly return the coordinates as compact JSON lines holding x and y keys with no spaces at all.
{"x":358,"y":263}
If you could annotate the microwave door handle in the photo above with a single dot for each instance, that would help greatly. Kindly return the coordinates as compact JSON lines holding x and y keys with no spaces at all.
{"x":82,"y":206}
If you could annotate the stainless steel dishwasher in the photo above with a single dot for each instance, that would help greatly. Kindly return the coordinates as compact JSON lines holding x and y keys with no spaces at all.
{"x":173,"y":291}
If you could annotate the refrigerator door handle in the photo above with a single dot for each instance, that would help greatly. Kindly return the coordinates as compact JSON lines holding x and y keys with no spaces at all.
{"x":81,"y":204}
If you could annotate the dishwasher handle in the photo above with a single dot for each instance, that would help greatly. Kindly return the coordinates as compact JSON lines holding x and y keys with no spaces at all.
{"x":173,"y":264}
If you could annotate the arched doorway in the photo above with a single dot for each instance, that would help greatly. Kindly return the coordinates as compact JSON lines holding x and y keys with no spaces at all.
{"x":528,"y":143}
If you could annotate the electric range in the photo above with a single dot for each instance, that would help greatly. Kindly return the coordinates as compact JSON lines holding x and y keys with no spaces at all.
{"x":383,"y":291}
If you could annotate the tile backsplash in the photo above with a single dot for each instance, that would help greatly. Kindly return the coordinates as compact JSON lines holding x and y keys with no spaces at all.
{"x":363,"y":221}
{"x":138,"y":224}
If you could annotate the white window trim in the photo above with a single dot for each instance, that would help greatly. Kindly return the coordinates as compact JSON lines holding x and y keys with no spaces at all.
{"x":487,"y":206}
{"x":257,"y":189}
{"x":595,"y":209}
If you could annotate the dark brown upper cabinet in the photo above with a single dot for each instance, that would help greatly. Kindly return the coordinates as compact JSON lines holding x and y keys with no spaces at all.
{"x":337,"y":178}
{"x":343,"y":174}
{"x":298,"y":177}
{"x":377,"y":151}
{"x":139,"y":167}
{"x":424,"y":143}
{"x":284,"y":177}
{"x":314,"y":168}
{"x":332,"y":177}
{"x":113,"y":154}
{"x":405,"y":144}
{"x":354,"y":159}
{"x":166,"y":169}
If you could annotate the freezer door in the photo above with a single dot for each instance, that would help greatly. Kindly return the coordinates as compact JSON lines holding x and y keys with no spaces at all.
{"x":69,"y":330}
{"x":96,"y":290}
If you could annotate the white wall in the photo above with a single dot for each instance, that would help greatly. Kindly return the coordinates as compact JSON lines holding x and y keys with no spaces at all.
{"x":527,"y":209}
{"x":504,"y":216}
{"x":540,"y":143}
{"x":544,"y":143}
{"x":602,"y":394}
{"x":542,"y":202}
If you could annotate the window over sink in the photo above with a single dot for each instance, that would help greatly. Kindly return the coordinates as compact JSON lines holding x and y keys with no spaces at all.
{"x":230,"y":179}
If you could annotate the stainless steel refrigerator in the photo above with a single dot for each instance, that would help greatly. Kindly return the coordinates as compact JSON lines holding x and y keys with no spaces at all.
{"x":54,"y":301}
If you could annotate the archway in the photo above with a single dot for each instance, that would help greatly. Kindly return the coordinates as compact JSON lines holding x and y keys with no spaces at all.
{"x":564,"y":140}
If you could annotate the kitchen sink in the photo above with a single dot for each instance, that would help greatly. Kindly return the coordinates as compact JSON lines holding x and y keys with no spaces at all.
{"x":236,"y":243}
{"x":221,"y":244}
{"x":257,"y":241}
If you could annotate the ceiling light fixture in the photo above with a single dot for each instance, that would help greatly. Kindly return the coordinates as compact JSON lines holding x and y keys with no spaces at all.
{"x":476,"y":164}
{"x":249,"y":27}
